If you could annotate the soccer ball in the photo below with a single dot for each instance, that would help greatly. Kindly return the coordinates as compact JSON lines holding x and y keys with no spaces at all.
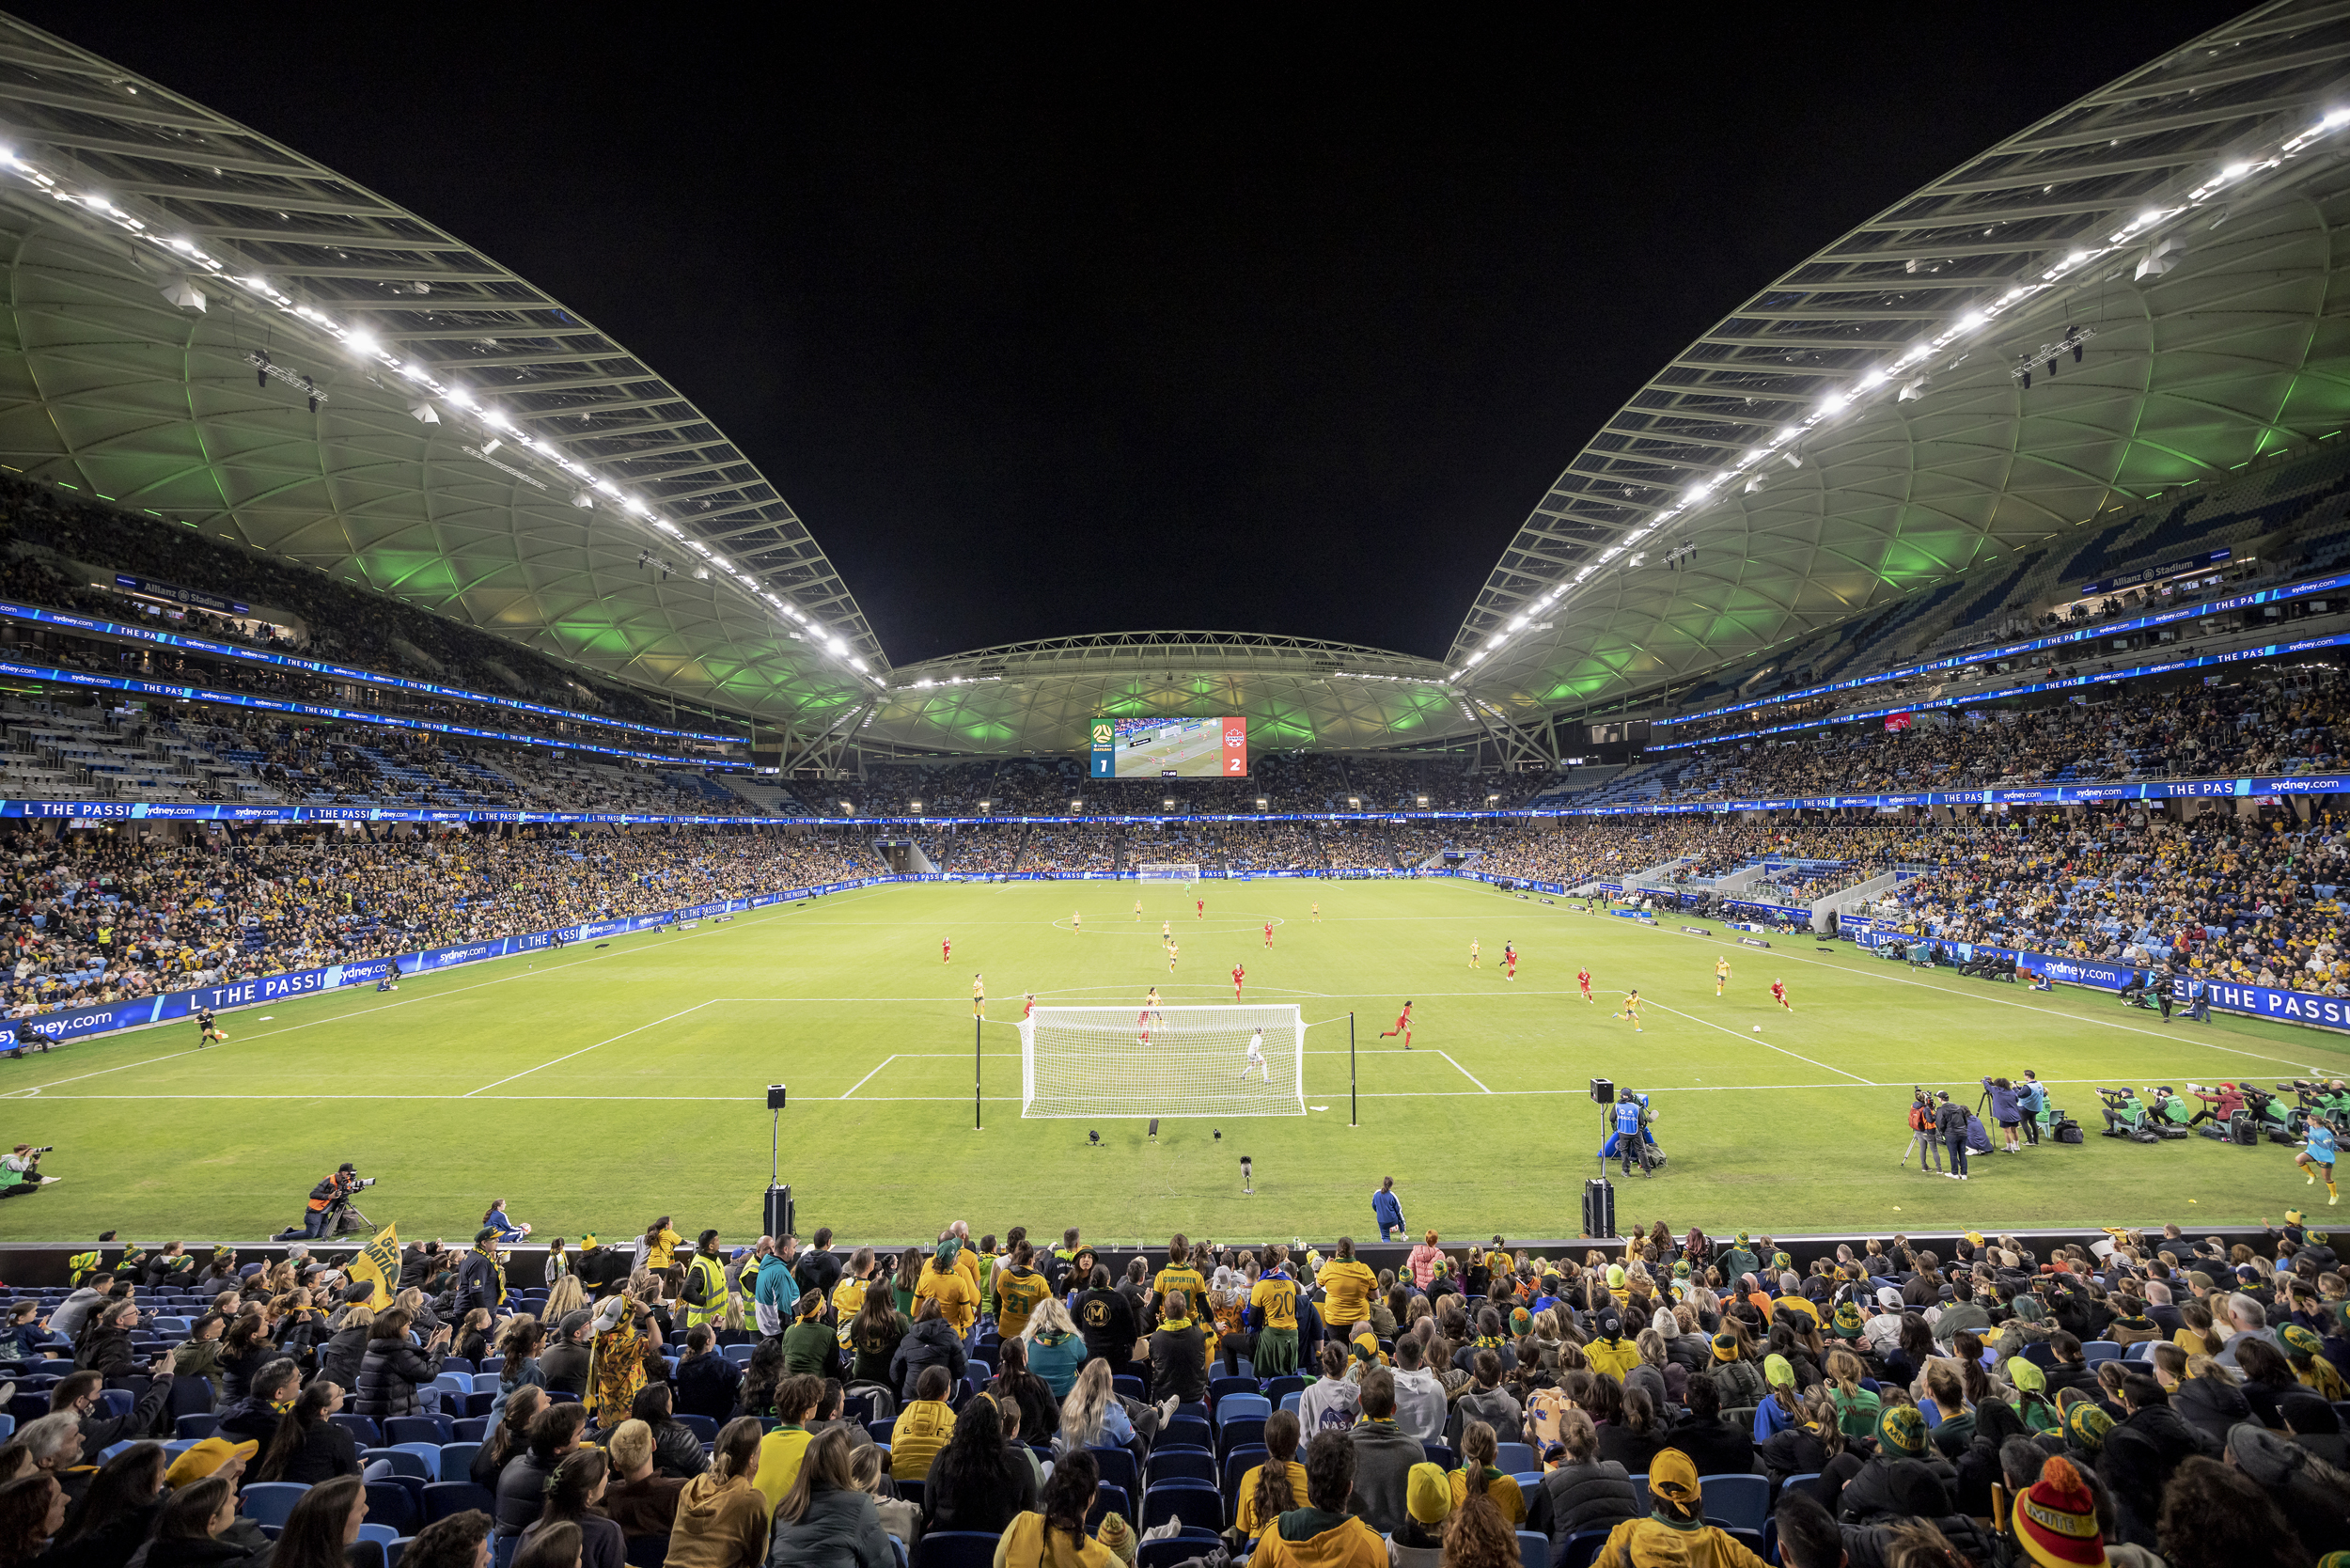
{"x":1758,"y":1028}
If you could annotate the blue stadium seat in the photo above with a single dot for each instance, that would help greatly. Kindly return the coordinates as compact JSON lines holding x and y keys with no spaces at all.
{"x":1582,"y":1549}
{"x":363,"y":1430}
{"x":427,"y":1454}
{"x":270,"y":1503}
{"x":457,"y":1459}
{"x":1235,"y":1407}
{"x":445,"y":1497}
{"x":1516,"y":1457}
{"x":1117,"y":1467}
{"x":1533,"y":1550}
{"x":1736,"y":1502}
{"x":1192,"y":1502}
{"x":395,"y":1504}
{"x":1179,"y":1465}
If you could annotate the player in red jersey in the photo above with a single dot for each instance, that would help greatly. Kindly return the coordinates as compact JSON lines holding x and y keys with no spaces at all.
{"x":1402,"y":1027}
{"x":1583,"y":979}
{"x":1510,"y":957}
{"x":1268,"y":933}
{"x":1779,"y":994}
{"x":1030,"y":1012}
{"x":946,"y":949}
{"x":1239,"y":974}
{"x":1200,"y":909}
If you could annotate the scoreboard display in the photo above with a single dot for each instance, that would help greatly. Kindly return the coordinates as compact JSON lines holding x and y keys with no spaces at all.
{"x":1170,"y":748}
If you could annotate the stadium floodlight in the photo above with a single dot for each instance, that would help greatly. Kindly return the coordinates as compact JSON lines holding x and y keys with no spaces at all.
{"x":1078,"y":1061}
{"x":185,"y":294}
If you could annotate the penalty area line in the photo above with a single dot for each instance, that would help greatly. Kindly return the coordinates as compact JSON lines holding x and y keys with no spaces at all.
{"x":584,"y":1050}
{"x":1826,"y":1067}
{"x":869,"y":1077}
{"x":1463,"y":1071}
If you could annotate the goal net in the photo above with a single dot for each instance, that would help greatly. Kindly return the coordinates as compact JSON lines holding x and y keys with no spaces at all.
{"x":1167,"y":1061}
{"x":1153,"y":871}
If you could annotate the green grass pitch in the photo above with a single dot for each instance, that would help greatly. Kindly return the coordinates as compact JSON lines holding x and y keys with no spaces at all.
{"x":596,"y":1088}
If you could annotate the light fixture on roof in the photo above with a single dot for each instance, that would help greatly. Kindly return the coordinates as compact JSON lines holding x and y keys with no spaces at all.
{"x":2160,"y":257}
{"x":423,"y":413}
{"x":1915,"y":388}
{"x":184,"y":293}
{"x":584,"y":501}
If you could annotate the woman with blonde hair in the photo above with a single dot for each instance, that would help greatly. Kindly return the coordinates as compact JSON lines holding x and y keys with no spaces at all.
{"x":564,"y":1297}
{"x":1094,"y":1416}
{"x":1056,"y":1350}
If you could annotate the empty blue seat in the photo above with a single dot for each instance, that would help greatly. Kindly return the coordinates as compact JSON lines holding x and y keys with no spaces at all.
{"x":270,"y":1503}
{"x":956,"y":1548}
{"x":1233,"y":1408}
{"x":1516,"y":1457}
{"x":427,"y":1454}
{"x":1192,"y":1502}
{"x":457,"y":1459}
{"x":419,"y":1429}
{"x":445,"y":1497}
{"x":1736,"y":1502}
{"x":1534,"y":1548}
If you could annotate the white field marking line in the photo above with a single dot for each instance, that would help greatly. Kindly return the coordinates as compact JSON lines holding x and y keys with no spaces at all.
{"x":1008,"y":1099}
{"x":1856,"y":969}
{"x":754,"y":917}
{"x":1456,"y":1067}
{"x":584,"y":1050}
{"x":1751,"y":1040}
{"x":869,"y":1077}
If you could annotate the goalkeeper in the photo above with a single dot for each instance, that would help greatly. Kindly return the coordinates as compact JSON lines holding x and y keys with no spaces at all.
{"x":1255,"y":1059}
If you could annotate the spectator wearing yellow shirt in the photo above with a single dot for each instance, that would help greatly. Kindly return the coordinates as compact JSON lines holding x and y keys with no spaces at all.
{"x":922,"y":1427}
{"x":1178,"y":1275}
{"x":1479,"y":1448}
{"x":944,"y":1281}
{"x":781,"y":1450}
{"x":848,"y":1298}
{"x":1277,"y":1487}
{"x":1273,"y":1313}
{"x":1018,"y":1289}
{"x":659,"y":1245}
{"x":1346,"y":1289}
{"x":969,"y":1259}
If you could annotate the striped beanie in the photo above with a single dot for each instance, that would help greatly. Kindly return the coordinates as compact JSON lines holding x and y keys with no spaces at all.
{"x":1901,"y":1431}
{"x":2056,"y":1519}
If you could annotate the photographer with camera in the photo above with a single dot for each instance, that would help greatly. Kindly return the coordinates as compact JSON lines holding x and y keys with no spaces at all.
{"x":20,"y":1171}
{"x":328,"y":1198}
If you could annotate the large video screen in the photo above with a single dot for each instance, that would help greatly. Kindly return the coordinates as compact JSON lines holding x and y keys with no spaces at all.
{"x":1170,"y":748}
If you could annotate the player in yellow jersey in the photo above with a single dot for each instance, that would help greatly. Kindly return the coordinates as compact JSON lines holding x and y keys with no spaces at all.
{"x":1472,"y":953}
{"x":1167,"y":930}
{"x":1317,"y":912}
{"x":1151,"y":1004}
{"x":1721,"y":973}
{"x":1172,"y":950}
{"x":1137,"y":912}
{"x":1632,"y":1011}
{"x":979,"y":996}
{"x":1077,"y":921}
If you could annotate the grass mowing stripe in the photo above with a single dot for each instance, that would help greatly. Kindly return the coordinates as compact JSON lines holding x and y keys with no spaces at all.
{"x":675,"y":1112}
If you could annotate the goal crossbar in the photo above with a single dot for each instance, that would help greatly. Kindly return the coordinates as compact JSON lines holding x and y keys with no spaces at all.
{"x":1172,"y":1061}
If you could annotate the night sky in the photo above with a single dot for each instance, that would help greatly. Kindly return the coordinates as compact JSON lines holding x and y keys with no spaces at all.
{"x":1254,"y":324}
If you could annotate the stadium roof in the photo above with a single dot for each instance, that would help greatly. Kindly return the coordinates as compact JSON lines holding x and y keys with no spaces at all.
{"x":474,"y":446}
{"x":1860,"y":428}
{"x":179,"y":288}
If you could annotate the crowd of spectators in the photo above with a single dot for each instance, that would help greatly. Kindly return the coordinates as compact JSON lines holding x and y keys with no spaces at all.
{"x":738,"y":1402}
{"x":2276,"y":723}
{"x":103,"y":918}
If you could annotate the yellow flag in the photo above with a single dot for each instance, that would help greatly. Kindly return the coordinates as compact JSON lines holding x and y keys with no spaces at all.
{"x":378,"y":1264}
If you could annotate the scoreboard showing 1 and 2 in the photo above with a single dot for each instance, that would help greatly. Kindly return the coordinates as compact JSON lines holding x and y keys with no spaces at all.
{"x":1170,"y":748}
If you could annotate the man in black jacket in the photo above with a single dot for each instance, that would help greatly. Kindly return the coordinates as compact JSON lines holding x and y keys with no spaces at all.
{"x":77,"y":1396}
{"x":480,"y":1278}
{"x":563,"y":1365}
{"x":1106,"y":1319}
{"x":1949,"y":1120}
{"x":1716,"y":1446}
{"x":818,"y":1269}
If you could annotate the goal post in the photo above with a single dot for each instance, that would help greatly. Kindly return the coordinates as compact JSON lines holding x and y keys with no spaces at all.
{"x":1156,"y":870}
{"x":1109,"y":1062}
